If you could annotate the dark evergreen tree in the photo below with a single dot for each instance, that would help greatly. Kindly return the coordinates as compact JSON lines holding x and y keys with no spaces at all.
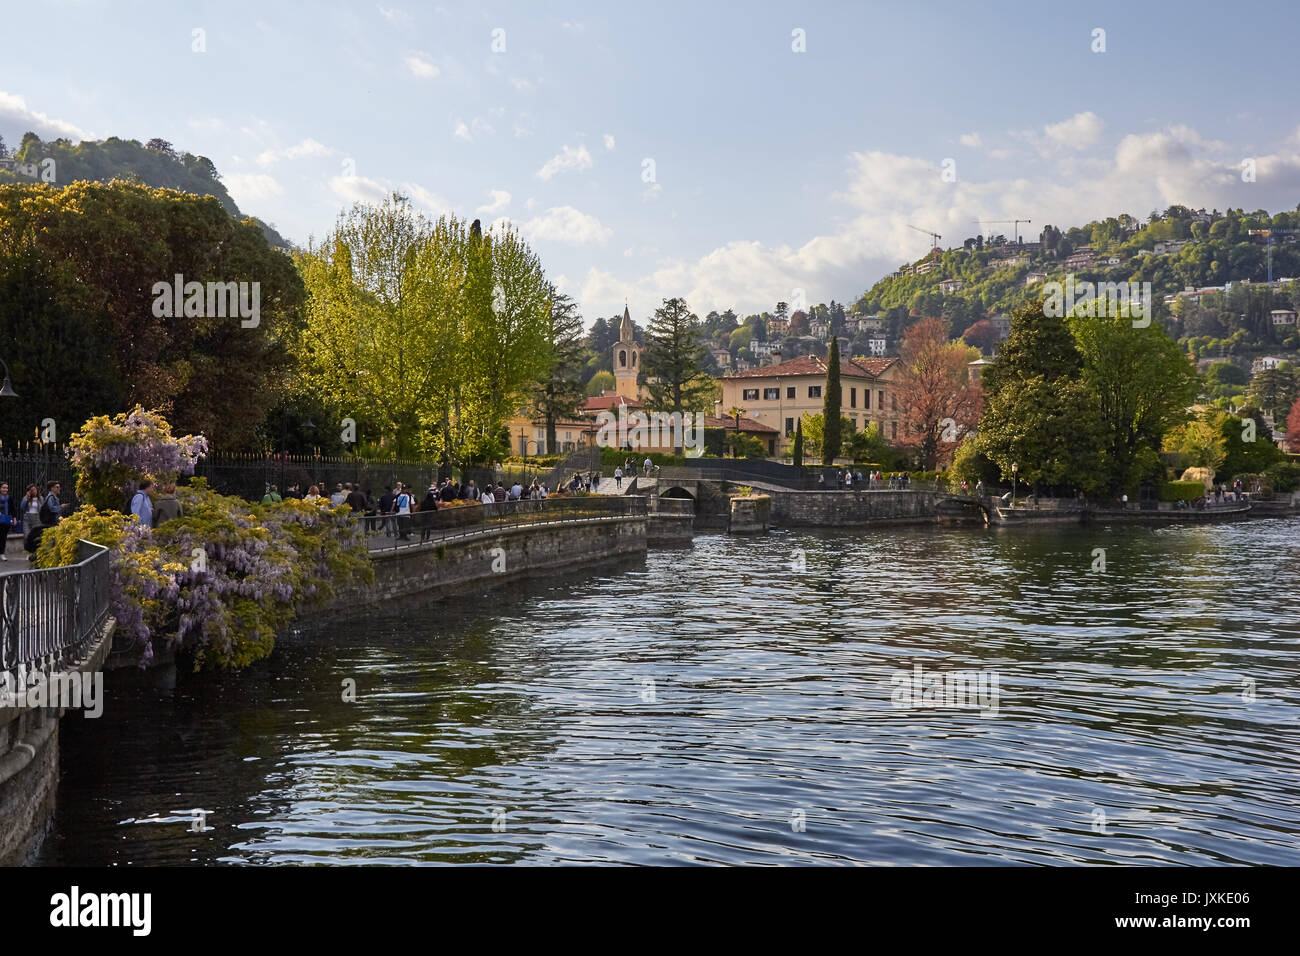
{"x":831,"y":400}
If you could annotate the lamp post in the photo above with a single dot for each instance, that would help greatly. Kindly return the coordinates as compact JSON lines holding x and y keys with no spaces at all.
{"x":1014,"y":469}
{"x":7,"y":389}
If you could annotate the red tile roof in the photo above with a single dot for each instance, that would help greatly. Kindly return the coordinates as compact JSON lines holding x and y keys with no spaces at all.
{"x":729,"y":421}
{"x":814,"y":365}
{"x":606,"y":400}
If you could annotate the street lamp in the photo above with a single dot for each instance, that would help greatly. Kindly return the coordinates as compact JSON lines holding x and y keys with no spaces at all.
{"x":1014,"y":468}
{"x":7,"y":389}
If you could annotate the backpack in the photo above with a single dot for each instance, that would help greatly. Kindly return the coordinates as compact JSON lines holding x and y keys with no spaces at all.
{"x":47,"y":513}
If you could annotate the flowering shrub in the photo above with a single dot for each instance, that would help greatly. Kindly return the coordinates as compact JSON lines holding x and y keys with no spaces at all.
{"x":110,"y":454}
{"x":220,"y":581}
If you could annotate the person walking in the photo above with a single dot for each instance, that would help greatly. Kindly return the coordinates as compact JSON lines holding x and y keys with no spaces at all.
{"x":313,"y":494}
{"x":142,"y":503}
{"x":168,"y":507}
{"x":427,"y":507}
{"x":10,"y":514}
{"x":356,"y":500}
{"x":648,"y":465}
{"x":272,"y":496}
{"x":618,"y":478}
{"x":339,"y":495}
{"x":31,"y":508}
{"x":402,"y":506}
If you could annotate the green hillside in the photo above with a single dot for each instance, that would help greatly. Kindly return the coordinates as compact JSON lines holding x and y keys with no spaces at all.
{"x":154,"y":164}
{"x":1218,"y":250}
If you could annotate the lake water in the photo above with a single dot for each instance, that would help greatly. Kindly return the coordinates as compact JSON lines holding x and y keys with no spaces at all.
{"x":714,"y":705}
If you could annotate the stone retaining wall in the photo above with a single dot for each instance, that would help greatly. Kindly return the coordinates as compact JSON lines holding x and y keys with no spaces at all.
{"x":442,"y":568}
{"x":838,"y":509}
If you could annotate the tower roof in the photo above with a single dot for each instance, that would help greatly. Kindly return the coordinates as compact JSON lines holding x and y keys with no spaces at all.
{"x":625,"y":331}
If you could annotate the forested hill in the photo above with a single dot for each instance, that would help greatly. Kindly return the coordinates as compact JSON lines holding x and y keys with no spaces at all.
{"x":155,"y":164}
{"x":1173,"y":250}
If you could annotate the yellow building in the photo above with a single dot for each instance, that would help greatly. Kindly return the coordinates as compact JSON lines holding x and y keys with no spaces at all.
{"x":777,"y":395}
{"x":627,"y":360}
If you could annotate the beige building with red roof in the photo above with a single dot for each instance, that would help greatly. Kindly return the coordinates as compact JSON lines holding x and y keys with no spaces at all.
{"x":777,"y":395}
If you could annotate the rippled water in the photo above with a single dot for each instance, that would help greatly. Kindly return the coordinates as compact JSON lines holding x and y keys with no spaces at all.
{"x":712,"y":705}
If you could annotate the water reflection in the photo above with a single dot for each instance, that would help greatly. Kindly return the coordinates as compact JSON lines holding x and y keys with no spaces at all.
{"x":704,"y":705}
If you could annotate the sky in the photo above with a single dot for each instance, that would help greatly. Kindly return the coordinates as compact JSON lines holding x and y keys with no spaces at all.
{"x":732,"y":154}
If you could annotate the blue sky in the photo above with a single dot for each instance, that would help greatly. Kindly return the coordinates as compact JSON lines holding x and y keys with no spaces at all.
{"x":774,"y":170}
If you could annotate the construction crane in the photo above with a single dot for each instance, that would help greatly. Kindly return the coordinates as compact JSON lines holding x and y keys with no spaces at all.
{"x":1003,"y":222}
{"x":1269,"y":234}
{"x":934,"y":236}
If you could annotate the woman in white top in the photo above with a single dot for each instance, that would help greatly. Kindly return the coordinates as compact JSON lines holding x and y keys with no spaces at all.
{"x":488,"y":498}
{"x":313,"y":494}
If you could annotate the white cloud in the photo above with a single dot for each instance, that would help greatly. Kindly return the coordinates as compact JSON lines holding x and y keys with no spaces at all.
{"x":206,"y":124}
{"x":568,"y":158}
{"x":609,"y":140}
{"x":521,"y":84}
{"x":1078,"y":132}
{"x":359,"y":189}
{"x":883,"y":193}
{"x":564,"y":224}
{"x":472,"y":130}
{"x":394,"y":15}
{"x":651,"y":192}
{"x":16,"y":119}
{"x":500,"y":199}
{"x":362,"y":189}
{"x":308,"y":147}
{"x":421,"y":65}
{"x":250,"y":187}
{"x":525,"y":125}
{"x":971,"y":139}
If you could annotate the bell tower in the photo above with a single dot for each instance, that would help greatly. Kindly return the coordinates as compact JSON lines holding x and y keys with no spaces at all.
{"x":627,"y":359}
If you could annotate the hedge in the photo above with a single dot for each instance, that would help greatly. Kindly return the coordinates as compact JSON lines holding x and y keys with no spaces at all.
{"x":1182,"y":490}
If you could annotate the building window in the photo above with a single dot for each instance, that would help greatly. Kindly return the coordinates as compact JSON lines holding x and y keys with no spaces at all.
{"x":622,"y":358}
{"x":866,"y":399}
{"x":854,"y":420}
{"x":749,"y":395}
{"x":789,"y":392}
{"x":771,"y":394}
{"x":894,"y":402}
{"x":880,"y":395}
{"x":789,"y":427}
{"x":814,"y":391}
{"x":893,"y":430}
{"x":853,"y":400}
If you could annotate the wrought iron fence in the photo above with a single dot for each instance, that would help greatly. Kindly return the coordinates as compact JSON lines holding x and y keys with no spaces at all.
{"x":38,"y":465}
{"x":50,"y":616}
{"x":388,"y":532}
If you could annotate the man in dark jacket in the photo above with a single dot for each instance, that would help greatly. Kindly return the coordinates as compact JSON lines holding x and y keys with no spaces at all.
{"x":386,"y":508}
{"x":356,"y":500}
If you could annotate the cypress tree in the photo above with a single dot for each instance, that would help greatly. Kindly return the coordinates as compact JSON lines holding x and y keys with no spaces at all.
{"x":831,"y":400}
{"x":798,"y":442}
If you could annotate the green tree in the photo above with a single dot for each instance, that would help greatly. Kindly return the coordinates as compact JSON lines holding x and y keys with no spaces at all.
{"x":93,"y":254}
{"x":1038,"y":414}
{"x":1142,"y":383}
{"x":832,"y":400}
{"x":797,"y":452}
{"x":602,"y":381}
{"x":1199,"y":444}
{"x":673,"y":358}
{"x":559,"y":393}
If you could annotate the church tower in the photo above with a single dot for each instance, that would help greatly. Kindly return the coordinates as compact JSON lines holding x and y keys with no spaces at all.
{"x":627,"y":359}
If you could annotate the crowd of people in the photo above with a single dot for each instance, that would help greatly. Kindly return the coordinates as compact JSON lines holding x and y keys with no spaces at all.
{"x":29,"y":515}
{"x":847,"y":479}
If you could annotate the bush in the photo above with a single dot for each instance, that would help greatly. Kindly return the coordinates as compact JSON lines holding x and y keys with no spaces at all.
{"x":1284,"y":476}
{"x":613,"y":457}
{"x":1182,"y":490}
{"x":536,"y":463}
{"x":220,"y":581}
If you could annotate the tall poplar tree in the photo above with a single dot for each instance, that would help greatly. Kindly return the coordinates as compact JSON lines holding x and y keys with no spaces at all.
{"x":832,"y":399}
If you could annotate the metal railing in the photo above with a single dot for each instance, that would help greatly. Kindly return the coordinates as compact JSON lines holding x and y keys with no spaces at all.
{"x":50,"y":616}
{"x":390,"y":532}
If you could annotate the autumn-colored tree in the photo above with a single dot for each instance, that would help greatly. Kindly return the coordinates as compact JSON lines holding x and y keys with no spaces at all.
{"x":1293,"y":426}
{"x":938,"y":402}
{"x":982,"y":335}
